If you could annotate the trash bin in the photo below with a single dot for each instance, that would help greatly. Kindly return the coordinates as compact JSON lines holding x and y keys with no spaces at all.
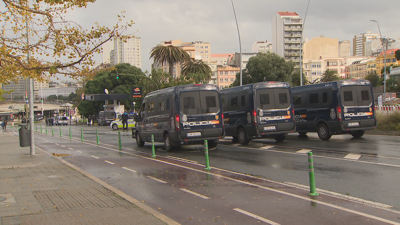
{"x":24,"y":135}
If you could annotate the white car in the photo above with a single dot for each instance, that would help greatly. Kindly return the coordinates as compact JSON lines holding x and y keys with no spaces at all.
{"x":61,"y":120}
{"x":117,"y":124}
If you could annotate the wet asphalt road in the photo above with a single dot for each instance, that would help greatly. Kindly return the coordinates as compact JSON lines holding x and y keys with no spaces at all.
{"x":225,"y":196}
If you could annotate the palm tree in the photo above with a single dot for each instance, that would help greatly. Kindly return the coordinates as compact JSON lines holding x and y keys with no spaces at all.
{"x":169,"y":54}
{"x":194,"y":67}
{"x":329,"y":75}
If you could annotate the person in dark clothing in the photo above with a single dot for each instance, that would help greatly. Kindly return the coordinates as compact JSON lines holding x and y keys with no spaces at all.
{"x":124,"y":121}
{"x":5,"y":124}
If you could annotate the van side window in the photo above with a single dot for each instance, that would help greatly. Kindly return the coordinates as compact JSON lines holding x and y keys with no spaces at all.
{"x":243,"y":100}
{"x":234,"y":102}
{"x":297,"y":100}
{"x":314,"y":98}
{"x":324,"y":97}
{"x":224,"y":106}
{"x":161,"y":105}
{"x":150,"y":107}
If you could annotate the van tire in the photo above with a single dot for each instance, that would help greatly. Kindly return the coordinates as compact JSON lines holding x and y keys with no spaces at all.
{"x":167,"y":143}
{"x":242,"y":136}
{"x":212,"y":144}
{"x":358,"y":133}
{"x":323,"y":132}
{"x":280,"y":137}
{"x":139,"y":140}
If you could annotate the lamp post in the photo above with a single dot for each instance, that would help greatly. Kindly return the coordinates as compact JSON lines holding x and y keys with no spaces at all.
{"x":384,"y":55}
{"x":240,"y":45}
{"x":301,"y":47}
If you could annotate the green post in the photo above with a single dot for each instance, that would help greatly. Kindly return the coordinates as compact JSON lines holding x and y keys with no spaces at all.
{"x":313,"y":191}
{"x":52,"y":131}
{"x":46,"y":129}
{"x":70,"y":135}
{"x":206,"y":152}
{"x":119,"y":140}
{"x":97,"y":137}
{"x":41,"y":130}
{"x":153,"y":149}
{"x":81,"y":134}
{"x":60,"y":130}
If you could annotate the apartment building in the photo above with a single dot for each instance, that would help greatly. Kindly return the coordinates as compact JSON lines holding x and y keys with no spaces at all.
{"x":126,"y":52}
{"x":359,"y":68}
{"x":235,"y":59}
{"x":21,"y":88}
{"x":390,"y":60}
{"x":314,"y":69}
{"x":320,"y":47}
{"x":261,"y":46}
{"x":287,"y":30}
{"x":359,"y":42}
{"x":217,"y":60}
{"x":226,"y":75}
{"x":344,"y":48}
{"x":202,"y":50}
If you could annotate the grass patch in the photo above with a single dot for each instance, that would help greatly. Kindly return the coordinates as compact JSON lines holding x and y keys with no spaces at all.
{"x":388,"y":121}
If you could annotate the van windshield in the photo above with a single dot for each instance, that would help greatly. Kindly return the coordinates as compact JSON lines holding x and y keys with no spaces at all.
{"x":197,"y":102}
{"x":356,"y":95}
{"x":273,"y":98}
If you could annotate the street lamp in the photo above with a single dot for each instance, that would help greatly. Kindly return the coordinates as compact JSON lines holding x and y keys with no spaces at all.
{"x":384,"y":55}
{"x":240,"y":45}
{"x":301,"y":47}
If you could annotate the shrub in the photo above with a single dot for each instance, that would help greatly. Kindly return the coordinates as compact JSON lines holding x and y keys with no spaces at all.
{"x":388,"y":121}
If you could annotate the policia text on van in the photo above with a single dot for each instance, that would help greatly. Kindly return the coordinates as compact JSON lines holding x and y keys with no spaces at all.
{"x":338,"y":107}
{"x":181,"y":115}
{"x":258,"y":110}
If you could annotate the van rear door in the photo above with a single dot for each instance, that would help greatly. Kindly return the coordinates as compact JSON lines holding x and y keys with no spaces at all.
{"x":273,"y":109}
{"x":357,"y":106}
{"x":200,"y":114}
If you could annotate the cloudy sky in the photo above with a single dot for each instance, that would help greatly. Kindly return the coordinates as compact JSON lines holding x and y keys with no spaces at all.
{"x":213,"y":20}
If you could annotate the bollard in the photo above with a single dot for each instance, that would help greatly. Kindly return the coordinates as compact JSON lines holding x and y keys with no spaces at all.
{"x":52,"y":131}
{"x":81,"y":134}
{"x":119,"y":140}
{"x":41,"y":130}
{"x":153,"y":149}
{"x":46,"y":129}
{"x":60,"y":130}
{"x":70,"y":135}
{"x":97,"y":136}
{"x":206,"y":152}
{"x":311,"y":173}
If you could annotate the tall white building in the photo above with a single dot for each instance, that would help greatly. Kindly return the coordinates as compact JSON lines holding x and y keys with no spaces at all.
{"x":287,"y":29}
{"x":127,"y":52}
{"x":261,"y":46}
{"x":359,"y":42}
{"x":107,"y":48}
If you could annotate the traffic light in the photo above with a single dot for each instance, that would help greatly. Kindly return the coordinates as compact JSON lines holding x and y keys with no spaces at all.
{"x":117,"y":76}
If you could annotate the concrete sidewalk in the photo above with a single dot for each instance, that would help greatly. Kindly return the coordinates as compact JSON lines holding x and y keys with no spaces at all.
{"x":43,"y":189}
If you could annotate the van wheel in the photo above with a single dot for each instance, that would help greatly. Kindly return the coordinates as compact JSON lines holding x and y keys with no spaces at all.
{"x":358,"y":133}
{"x":242,"y":137}
{"x":280,"y":138}
{"x":139,"y":141}
{"x":167,"y":143}
{"x":323,"y":132}
{"x":212,"y":144}
{"x":115,"y":126}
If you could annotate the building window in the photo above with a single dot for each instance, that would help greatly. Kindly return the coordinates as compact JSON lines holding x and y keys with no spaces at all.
{"x":231,"y":79}
{"x":221,"y":72}
{"x":206,"y":51}
{"x":221,"y":79}
{"x":206,"y":46}
{"x":201,"y":47}
{"x":226,"y":72}
{"x":226,"y":79}
{"x":232,"y":72}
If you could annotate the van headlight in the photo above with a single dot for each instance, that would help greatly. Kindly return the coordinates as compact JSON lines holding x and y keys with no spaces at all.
{"x":184,"y":118}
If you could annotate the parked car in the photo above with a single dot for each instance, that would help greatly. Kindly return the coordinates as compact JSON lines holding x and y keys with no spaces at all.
{"x":61,"y":120}
{"x":117,"y":124}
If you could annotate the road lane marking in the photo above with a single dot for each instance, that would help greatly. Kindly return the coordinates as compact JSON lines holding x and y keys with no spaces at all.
{"x":194,"y":193}
{"x":56,"y":143}
{"x":303,"y":151}
{"x":78,"y":151}
{"x":153,"y":178}
{"x":70,"y":148}
{"x":106,"y":161}
{"x":62,"y":146}
{"x":126,"y":168}
{"x":95,"y":157}
{"x":255,"y":216}
{"x":352,"y":156}
{"x":267,"y":147}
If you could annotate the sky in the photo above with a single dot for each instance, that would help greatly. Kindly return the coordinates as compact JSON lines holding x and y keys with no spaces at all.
{"x":213,"y":20}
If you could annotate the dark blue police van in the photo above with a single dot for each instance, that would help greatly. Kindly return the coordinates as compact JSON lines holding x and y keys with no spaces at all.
{"x":258,"y":110}
{"x":187,"y":114}
{"x":338,"y":107}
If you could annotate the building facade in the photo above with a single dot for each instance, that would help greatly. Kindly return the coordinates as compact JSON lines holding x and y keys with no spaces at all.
{"x":390,"y":60}
{"x":217,"y":60}
{"x":127,"y":52}
{"x":344,"y":48}
{"x":226,"y":75}
{"x":320,"y":47}
{"x":21,"y":89}
{"x":359,"y":42}
{"x":287,"y":30}
{"x":261,"y":46}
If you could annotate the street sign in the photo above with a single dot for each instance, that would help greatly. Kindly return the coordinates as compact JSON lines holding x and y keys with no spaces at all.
{"x":136,"y":92}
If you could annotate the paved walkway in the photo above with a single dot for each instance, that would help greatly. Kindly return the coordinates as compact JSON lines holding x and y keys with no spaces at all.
{"x":44,"y":189}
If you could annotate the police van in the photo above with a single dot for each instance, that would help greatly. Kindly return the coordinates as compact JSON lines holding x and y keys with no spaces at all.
{"x":258,"y":110}
{"x":338,"y":107}
{"x":186,"y":114}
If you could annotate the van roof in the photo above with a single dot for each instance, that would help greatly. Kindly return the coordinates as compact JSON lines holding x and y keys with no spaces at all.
{"x":258,"y":85}
{"x":186,"y":87}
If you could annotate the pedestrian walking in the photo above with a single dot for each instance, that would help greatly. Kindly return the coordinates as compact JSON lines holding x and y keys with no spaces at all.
{"x":5,"y":124}
{"x":124,"y":121}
